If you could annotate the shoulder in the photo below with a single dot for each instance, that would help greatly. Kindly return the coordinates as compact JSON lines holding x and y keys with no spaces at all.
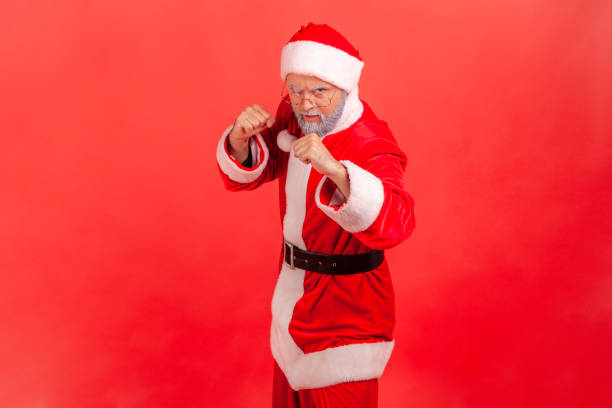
{"x":372,"y":136}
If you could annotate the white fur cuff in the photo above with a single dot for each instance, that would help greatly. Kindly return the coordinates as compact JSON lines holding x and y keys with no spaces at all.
{"x":235,"y":170}
{"x":364,"y":203}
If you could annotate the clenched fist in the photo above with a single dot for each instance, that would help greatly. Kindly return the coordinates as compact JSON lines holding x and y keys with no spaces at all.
{"x":311,"y":150}
{"x":250,"y":121}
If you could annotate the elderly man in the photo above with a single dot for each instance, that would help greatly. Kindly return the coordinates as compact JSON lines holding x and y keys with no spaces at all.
{"x":342,"y":204}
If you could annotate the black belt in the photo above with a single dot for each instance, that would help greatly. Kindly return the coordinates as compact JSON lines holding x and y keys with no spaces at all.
{"x":332,"y":264}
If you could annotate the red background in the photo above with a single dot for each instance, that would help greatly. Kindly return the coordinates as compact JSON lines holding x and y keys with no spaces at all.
{"x":130,"y":278}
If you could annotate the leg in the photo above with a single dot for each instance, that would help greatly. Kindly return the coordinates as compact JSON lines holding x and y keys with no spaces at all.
{"x":356,"y":394}
{"x":282,"y":394}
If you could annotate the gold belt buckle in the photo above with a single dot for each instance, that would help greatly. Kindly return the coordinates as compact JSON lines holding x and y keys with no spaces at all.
{"x":291,"y":258}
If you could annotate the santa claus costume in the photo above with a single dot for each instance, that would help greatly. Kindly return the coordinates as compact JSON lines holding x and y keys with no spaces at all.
{"x":331,"y":334}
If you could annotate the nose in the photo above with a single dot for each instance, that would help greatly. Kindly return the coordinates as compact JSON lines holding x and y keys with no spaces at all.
{"x":307,"y":104}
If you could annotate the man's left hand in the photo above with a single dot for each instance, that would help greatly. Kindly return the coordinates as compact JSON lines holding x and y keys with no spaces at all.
{"x":311,"y":150}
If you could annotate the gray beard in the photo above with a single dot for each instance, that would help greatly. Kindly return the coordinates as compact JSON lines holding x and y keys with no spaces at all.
{"x":327,"y":124}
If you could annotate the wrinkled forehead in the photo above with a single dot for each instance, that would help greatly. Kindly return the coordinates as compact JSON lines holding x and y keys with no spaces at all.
{"x":306,"y":81}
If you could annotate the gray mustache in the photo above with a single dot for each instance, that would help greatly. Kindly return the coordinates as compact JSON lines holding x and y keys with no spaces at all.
{"x":312,"y":113}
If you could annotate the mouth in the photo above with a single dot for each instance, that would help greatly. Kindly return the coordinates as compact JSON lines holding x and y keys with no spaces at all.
{"x":311,"y":118}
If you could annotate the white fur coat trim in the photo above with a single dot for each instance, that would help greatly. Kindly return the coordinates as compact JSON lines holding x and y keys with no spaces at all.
{"x":295,"y":195}
{"x":229,"y":166}
{"x":365,"y":200}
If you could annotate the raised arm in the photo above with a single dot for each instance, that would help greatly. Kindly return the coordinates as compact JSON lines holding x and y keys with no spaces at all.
{"x":254,"y":130}
{"x":378,"y":210}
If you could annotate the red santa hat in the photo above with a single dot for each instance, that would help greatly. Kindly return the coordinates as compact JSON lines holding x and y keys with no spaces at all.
{"x":321,"y":51}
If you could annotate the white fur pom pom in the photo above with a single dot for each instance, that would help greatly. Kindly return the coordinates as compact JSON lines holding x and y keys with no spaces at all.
{"x":285,"y":140}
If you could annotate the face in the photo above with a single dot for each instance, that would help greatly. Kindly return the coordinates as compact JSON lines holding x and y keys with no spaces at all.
{"x":321,"y":103}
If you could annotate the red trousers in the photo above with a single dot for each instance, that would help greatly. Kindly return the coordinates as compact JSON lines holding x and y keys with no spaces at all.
{"x":355,"y":394}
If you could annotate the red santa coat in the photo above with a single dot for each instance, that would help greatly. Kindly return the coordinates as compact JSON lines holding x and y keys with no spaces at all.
{"x":331,"y":329}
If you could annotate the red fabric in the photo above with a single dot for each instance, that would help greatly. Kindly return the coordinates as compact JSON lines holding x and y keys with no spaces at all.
{"x":355,"y":394}
{"x":340,"y":310}
{"x":324,"y":34}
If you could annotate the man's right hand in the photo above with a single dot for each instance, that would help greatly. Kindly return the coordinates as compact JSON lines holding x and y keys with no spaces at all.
{"x":252,"y":120}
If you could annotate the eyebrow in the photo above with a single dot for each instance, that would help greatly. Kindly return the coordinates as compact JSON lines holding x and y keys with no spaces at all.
{"x":296,"y":89}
